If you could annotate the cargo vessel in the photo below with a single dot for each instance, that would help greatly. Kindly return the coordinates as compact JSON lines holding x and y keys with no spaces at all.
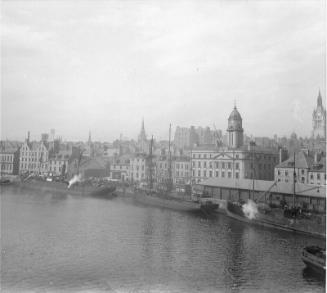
{"x":315,"y":258}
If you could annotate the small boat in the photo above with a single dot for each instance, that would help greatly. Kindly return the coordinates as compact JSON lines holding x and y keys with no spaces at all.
{"x":315,"y":258}
{"x":4,"y":181}
{"x":208,"y":206}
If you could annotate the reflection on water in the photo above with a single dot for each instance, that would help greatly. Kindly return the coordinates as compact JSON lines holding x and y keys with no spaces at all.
{"x":54,"y":242}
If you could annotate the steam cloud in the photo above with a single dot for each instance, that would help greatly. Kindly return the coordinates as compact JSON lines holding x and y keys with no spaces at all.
{"x":250,"y":209}
{"x":76,"y":178}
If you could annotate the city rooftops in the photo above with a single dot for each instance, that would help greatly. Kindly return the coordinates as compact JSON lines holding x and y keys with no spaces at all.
{"x":303,"y":160}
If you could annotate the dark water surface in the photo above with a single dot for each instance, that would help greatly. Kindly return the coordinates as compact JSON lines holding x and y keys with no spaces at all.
{"x":52,"y":242}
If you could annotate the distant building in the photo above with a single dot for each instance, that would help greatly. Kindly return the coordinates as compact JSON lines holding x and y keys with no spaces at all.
{"x":58,"y":163}
{"x":319,"y":119}
{"x":33,"y":158}
{"x":9,"y":158}
{"x":309,"y":169}
{"x":120,"y":168}
{"x":186,"y":138}
{"x":138,"y":166}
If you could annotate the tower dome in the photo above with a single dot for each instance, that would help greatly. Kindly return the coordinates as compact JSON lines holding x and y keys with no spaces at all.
{"x":235,"y":129}
{"x":235,"y":115}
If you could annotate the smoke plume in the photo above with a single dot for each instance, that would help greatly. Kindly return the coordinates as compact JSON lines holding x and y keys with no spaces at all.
{"x":76,"y":178}
{"x":250,"y":209}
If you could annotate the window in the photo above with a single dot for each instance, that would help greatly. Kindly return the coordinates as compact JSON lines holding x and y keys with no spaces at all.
{"x":205,"y":164}
{"x":229,"y":174}
{"x":237,"y":175}
{"x":223,"y":174}
{"x":311,"y":176}
{"x":229,"y":165}
{"x":217,"y":165}
{"x":223,"y":165}
{"x":302,"y":172}
{"x":210,"y":164}
{"x":193,"y":173}
{"x":199,"y":156}
{"x":204,"y":173}
{"x":318,"y":176}
{"x":286,"y":173}
{"x":199,"y":164}
{"x":278,"y":172}
{"x":302,"y":179}
{"x":236,"y":156}
{"x":199,"y":173}
{"x":193,"y":155}
{"x":193,"y":164}
{"x":210,"y":173}
{"x":217,"y":174}
{"x":237,"y":166}
{"x":205,"y":156}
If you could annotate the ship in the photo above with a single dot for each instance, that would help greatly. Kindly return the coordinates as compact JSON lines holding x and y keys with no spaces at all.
{"x":83,"y":188}
{"x":164,"y":196}
{"x":287,"y":219}
{"x":315,"y":258}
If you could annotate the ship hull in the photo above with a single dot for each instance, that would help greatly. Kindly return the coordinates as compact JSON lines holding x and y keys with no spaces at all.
{"x":277,"y":222}
{"x":315,"y":259}
{"x":164,"y":201}
{"x":105,"y":191}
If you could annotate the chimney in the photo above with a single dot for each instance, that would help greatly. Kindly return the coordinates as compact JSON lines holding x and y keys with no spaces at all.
{"x":283,"y":155}
{"x":317,"y":157}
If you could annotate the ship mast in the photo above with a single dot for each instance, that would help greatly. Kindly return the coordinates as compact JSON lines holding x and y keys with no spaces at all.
{"x":150,"y":164}
{"x":169,"y":162}
{"x":294,"y":180}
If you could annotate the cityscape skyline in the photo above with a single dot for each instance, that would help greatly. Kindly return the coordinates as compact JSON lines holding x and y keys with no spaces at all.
{"x":103,"y":67}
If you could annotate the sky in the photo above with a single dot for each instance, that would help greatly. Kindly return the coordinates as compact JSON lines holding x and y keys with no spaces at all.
{"x":102,"y":66}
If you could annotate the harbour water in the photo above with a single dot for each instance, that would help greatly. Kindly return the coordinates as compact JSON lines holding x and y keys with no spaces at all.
{"x":58,"y":243}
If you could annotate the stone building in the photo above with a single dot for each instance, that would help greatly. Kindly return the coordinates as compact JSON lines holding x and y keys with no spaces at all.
{"x":9,"y":158}
{"x":33,"y":157}
{"x":309,"y":168}
{"x":236,"y":161}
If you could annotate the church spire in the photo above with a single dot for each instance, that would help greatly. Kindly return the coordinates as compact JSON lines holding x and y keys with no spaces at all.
{"x":319,"y":99}
{"x":89,"y":141}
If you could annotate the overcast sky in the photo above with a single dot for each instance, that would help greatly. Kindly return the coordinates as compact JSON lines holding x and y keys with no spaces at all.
{"x":103,"y":65}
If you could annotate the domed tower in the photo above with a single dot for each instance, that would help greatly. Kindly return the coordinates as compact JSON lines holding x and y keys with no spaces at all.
{"x":319,"y":119}
{"x":235,"y":130}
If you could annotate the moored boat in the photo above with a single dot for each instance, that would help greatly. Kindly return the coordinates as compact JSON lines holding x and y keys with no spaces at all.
{"x":276,"y":219}
{"x":315,"y":258}
{"x":83,"y":188}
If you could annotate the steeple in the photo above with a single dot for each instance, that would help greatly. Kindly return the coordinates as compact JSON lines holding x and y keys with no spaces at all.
{"x":89,"y":141}
{"x":142,"y":128}
{"x":319,"y":100}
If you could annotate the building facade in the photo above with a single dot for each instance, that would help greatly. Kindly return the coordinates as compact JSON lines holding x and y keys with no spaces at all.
{"x":33,"y":158}
{"x":309,"y":168}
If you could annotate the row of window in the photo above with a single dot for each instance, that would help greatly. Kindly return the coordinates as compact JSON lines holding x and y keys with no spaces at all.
{"x":209,"y":174}
{"x":199,"y":156}
{"x":258,"y":156}
{"x":222,"y":165}
{"x":6,"y":167}
{"x":181,"y":174}
{"x":6,"y":158}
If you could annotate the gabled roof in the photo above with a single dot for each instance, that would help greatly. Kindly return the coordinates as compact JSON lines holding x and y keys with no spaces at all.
{"x":305,"y":161}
